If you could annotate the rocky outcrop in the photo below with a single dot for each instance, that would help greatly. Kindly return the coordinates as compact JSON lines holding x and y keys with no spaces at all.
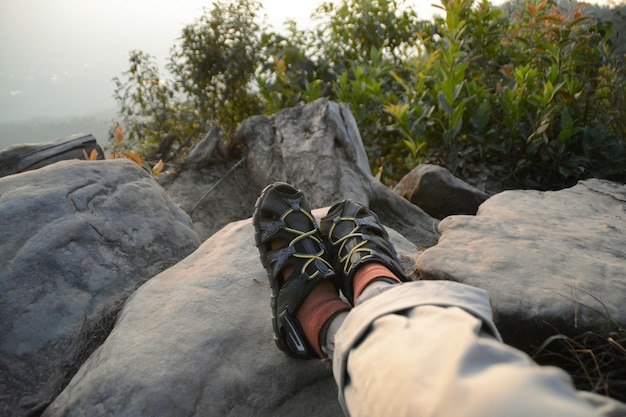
{"x":77,"y":239}
{"x":317,"y":148}
{"x":80,"y":237}
{"x":553,"y":262}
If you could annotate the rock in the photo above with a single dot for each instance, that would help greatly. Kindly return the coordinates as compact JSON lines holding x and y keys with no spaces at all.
{"x":317,"y":148}
{"x":197,"y":340}
{"x":200,"y":154}
{"x":439,"y":193}
{"x":553,"y":262}
{"x":77,"y":238}
{"x":20,"y":158}
{"x":213,"y":196}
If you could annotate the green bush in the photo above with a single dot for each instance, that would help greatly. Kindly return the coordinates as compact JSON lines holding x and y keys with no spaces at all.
{"x":529,"y":94}
{"x":349,"y":58}
{"x":523,"y":96}
{"x":214,"y":68}
{"x":215,"y":62}
{"x":289,"y":74}
{"x":146,"y":105}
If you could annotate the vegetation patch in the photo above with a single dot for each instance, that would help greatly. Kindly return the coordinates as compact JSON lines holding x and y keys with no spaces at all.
{"x":531,"y":94}
{"x":596,"y":362}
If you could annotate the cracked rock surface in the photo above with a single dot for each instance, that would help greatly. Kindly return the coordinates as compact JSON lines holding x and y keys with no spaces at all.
{"x":77,"y":238}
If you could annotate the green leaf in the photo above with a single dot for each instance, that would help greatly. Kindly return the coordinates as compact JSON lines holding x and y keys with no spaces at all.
{"x":443,"y":103}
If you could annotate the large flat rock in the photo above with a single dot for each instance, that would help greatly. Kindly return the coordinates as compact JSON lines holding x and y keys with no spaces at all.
{"x":553,"y":262}
{"x":197,"y":340}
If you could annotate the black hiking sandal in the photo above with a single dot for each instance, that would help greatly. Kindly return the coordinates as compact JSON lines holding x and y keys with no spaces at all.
{"x":282,"y":212}
{"x":354,"y":237}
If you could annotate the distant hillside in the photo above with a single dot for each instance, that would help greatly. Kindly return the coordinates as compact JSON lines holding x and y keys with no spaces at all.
{"x":47,"y":129}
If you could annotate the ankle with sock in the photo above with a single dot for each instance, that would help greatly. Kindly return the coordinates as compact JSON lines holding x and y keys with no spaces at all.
{"x":370,"y":273}
{"x":317,"y":310}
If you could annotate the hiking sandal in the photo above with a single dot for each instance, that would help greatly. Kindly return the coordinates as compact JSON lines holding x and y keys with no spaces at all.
{"x":282,"y":212}
{"x":354,"y":237}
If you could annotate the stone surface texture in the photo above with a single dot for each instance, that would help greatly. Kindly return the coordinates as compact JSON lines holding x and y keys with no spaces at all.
{"x":553,"y":262}
{"x":197,"y":340}
{"x":77,"y":238}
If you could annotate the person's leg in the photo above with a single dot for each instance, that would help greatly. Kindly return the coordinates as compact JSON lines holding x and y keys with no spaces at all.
{"x":371,"y":280}
{"x":422,"y":348}
{"x":429,"y":348}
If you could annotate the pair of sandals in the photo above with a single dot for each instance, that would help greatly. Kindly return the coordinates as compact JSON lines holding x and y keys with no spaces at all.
{"x":349,"y":236}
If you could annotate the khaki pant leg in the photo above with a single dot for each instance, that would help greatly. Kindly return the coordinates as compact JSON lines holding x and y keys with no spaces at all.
{"x":443,"y":357}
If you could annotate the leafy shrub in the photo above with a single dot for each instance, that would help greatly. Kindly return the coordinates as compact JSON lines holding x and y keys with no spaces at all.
{"x":529,"y":94}
{"x":213,"y":66}
{"x":215,"y":62}
{"x":147,"y":108}
{"x":289,"y":74}
{"x":348,"y":58}
{"x":523,"y":94}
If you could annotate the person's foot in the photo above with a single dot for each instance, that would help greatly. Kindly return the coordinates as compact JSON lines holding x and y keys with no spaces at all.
{"x":355,"y":237}
{"x":293,"y":254}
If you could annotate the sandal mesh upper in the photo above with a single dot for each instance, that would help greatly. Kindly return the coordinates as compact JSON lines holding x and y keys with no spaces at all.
{"x":354,"y":237}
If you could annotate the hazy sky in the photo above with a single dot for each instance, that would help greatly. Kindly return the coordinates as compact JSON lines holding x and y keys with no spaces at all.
{"x":57,"y":57}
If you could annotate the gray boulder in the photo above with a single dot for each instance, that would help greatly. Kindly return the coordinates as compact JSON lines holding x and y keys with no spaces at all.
{"x":201,"y":154}
{"x":77,"y":239}
{"x":197,"y":340}
{"x":553,"y":262}
{"x":439,"y":193}
{"x":317,"y":148}
{"x":213,"y":194}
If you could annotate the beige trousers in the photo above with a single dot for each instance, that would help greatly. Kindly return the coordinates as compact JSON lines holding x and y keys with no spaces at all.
{"x":430,"y":348}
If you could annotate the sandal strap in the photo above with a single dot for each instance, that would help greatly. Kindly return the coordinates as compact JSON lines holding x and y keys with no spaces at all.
{"x":278,"y":258}
{"x":270,"y":227}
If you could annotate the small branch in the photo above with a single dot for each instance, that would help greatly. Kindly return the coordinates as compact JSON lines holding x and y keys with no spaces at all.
{"x":215,"y":185}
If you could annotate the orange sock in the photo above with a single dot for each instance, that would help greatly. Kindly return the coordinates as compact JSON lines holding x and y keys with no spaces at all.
{"x":320,"y":306}
{"x":368,"y":273}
